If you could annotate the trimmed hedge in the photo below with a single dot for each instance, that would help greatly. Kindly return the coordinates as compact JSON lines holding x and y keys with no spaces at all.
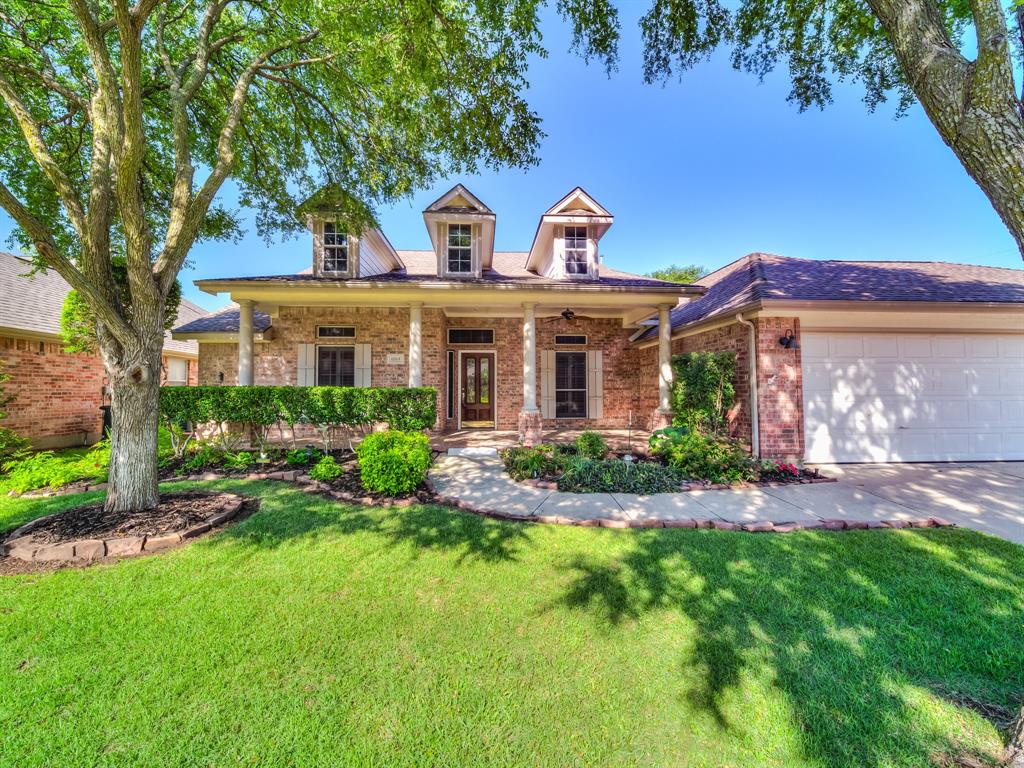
{"x":404,"y":408}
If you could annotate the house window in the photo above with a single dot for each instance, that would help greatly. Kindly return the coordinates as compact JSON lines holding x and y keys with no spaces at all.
{"x":460,"y":254}
{"x":335,"y":249}
{"x":177,"y":371}
{"x":576,"y":250}
{"x":571,"y":385}
{"x":568,"y":338}
{"x":335,"y":331}
{"x":336,"y":366}
{"x":470,"y":336}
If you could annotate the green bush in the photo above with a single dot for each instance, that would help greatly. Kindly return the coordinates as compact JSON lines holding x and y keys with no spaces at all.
{"x":50,"y":469}
{"x":326,"y":469}
{"x":702,"y":390}
{"x":393,"y":462}
{"x":326,"y":408}
{"x":204,"y":455}
{"x":663,"y":439}
{"x":11,"y":444}
{"x":701,"y":457}
{"x":617,"y":476}
{"x":300,"y":457}
{"x":591,"y":445}
{"x":239,"y":460}
{"x":523,"y":463}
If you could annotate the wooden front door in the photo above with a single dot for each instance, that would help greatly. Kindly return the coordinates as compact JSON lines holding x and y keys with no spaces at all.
{"x":477,"y":389}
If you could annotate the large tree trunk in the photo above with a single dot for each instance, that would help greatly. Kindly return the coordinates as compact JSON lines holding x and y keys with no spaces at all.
{"x":972,"y":104}
{"x":136,"y":420}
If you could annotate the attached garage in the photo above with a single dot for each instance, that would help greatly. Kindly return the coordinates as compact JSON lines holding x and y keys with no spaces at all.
{"x":887,"y":397}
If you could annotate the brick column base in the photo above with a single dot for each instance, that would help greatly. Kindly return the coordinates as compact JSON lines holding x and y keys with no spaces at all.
{"x":661,"y":419}
{"x":531,"y":427}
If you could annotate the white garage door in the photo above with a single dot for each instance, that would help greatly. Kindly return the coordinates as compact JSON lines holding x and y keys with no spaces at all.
{"x":913,"y":397}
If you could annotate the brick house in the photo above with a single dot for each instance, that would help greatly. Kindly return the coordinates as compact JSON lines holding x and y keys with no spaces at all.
{"x":553,"y":337}
{"x":59,"y":394}
{"x":866,"y":361}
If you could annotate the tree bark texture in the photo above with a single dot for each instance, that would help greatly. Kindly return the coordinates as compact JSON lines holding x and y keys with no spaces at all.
{"x":973,"y":104}
{"x":1014,"y":755}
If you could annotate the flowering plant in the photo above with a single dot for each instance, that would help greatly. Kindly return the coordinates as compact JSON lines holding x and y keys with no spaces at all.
{"x":777,"y":469}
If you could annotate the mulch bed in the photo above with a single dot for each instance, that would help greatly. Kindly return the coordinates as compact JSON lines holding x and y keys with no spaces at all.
{"x":177,"y":511}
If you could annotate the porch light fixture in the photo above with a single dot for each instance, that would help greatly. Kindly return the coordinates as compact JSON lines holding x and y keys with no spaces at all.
{"x":789,"y":340}
{"x":568,"y":314}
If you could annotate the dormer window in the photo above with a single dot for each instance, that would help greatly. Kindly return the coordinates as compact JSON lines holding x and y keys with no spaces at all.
{"x":460,"y":247}
{"x":335,"y":258}
{"x":576,"y":251}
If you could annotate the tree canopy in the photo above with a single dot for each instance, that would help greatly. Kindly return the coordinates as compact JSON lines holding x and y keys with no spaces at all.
{"x":675,"y":273}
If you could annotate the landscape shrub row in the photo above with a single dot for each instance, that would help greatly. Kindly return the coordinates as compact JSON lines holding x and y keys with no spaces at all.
{"x":325,"y":408}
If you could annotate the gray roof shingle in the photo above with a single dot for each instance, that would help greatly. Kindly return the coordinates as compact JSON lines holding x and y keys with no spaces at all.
{"x":507,"y":268}
{"x":765,"y":277}
{"x":224,"y":320}
{"x":34,"y":303}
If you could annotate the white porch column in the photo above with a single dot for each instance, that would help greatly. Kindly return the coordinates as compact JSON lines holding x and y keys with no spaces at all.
{"x":415,"y":345}
{"x":664,"y":360}
{"x":245,"y":343}
{"x":529,"y":358}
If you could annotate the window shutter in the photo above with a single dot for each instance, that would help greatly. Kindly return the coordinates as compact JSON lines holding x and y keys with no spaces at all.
{"x":364,"y":363}
{"x":475,"y":249}
{"x":307,"y":365}
{"x":318,"y":245}
{"x":547,"y":383}
{"x":595,"y":384}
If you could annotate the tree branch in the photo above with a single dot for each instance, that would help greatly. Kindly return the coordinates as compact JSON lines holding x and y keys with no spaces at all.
{"x":47,"y":248}
{"x":37,"y":145}
{"x":993,"y":72}
{"x":175,"y":250}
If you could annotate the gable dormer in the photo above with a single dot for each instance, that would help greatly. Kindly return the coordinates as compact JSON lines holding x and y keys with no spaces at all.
{"x":461,"y":232}
{"x":565,"y":246}
{"x":335,"y":217}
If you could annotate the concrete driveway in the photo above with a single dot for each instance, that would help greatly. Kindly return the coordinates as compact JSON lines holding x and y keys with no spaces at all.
{"x":985,"y":496}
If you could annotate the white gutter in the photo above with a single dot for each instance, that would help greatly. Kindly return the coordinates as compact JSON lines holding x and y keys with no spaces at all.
{"x":755,"y":433}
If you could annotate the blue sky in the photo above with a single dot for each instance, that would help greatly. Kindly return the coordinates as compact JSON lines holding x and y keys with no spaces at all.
{"x":703,"y":170}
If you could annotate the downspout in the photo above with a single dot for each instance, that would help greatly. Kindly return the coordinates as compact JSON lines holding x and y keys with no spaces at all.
{"x":755,"y":432}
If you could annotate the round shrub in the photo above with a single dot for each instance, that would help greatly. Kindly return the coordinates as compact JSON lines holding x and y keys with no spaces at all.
{"x":393,"y":462}
{"x":325,"y":470}
{"x":591,"y":445}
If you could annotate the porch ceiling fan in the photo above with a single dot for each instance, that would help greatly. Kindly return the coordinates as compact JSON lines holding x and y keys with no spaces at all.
{"x":565,"y":314}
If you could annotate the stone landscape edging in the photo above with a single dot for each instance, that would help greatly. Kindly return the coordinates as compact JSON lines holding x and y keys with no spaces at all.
{"x":552,"y":485}
{"x":87,"y":550}
{"x":309,"y":485}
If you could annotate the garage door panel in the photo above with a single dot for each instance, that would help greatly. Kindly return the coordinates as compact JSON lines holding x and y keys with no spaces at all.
{"x":943,"y":397}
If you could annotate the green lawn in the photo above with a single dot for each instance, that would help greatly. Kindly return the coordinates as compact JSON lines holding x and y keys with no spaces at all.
{"x":317,"y":634}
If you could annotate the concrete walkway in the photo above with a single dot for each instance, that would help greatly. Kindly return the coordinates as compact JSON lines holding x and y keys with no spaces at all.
{"x":974,"y":496}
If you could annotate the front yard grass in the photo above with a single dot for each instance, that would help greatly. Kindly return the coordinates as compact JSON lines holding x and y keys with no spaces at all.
{"x":318,"y":634}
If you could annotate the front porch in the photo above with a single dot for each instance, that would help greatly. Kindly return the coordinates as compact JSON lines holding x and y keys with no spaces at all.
{"x":619,"y":440}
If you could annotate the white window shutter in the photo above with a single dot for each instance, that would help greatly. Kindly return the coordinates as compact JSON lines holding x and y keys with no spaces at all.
{"x":476,"y":259}
{"x":547,"y":383}
{"x":307,"y":365}
{"x":364,"y":364}
{"x":353,"y":256}
{"x":595,"y":384}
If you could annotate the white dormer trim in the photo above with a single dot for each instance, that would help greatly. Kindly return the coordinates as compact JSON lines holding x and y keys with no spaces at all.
{"x":547,"y":254}
{"x":368,"y":254}
{"x":471,"y":211}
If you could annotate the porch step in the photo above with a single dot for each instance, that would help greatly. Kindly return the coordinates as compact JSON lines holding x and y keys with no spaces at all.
{"x":470,"y":452}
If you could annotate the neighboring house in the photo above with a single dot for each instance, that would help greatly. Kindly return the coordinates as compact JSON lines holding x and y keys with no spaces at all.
{"x":511,"y":340}
{"x":867,"y":361}
{"x":894,"y":360}
{"x":59,"y":394}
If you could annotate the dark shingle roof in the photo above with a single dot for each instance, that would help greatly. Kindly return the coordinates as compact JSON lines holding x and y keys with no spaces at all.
{"x":224,"y":321}
{"x":507,"y":268}
{"x":35,"y":303}
{"x":761,"y":276}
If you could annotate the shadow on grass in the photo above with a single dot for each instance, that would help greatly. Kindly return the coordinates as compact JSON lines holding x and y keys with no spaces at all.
{"x":857,"y":629}
{"x":287,"y":515}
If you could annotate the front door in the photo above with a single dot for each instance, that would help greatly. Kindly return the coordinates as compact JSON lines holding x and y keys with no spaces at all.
{"x":477,"y":389}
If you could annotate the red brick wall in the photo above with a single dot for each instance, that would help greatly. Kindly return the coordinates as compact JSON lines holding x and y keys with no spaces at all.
{"x":729,"y":338}
{"x":58,"y":394}
{"x":387,"y":330}
{"x":780,"y":389}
